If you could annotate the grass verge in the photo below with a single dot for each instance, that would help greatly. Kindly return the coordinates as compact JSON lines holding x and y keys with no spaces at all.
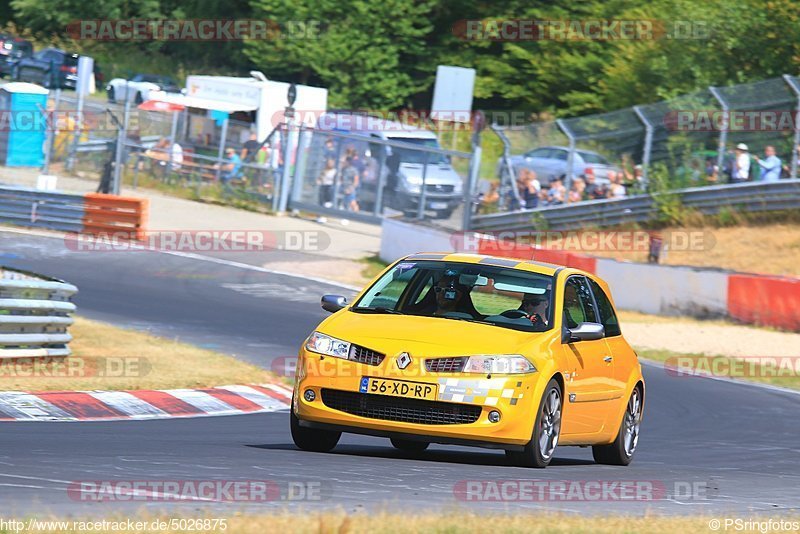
{"x":782,"y":372}
{"x":106,"y":357}
{"x":448,"y":522}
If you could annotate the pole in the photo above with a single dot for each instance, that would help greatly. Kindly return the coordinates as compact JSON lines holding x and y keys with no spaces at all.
{"x":472,"y":180}
{"x":299,"y":165}
{"x":648,"y":144}
{"x":792,"y":82}
{"x":723,"y":133}
{"x":287,"y":159}
{"x":221,"y":151}
{"x":571,"y":158}
{"x":421,"y":206}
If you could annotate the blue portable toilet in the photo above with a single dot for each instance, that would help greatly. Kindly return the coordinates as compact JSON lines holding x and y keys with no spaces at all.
{"x":23,"y":124}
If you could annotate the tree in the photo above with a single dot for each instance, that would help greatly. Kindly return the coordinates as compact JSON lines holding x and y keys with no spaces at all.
{"x":366,"y":53}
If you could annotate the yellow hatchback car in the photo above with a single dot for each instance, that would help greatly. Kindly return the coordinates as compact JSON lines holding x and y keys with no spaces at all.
{"x":473,"y":350}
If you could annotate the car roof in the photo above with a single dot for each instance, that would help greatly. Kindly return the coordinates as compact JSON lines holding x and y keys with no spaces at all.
{"x":540,"y":267}
{"x":579,"y":150}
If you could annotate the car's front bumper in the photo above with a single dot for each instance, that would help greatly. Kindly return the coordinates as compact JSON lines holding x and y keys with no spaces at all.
{"x":338,"y":402}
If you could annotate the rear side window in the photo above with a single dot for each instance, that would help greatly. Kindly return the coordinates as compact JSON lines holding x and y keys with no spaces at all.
{"x":578,"y":303}
{"x":607,"y":315}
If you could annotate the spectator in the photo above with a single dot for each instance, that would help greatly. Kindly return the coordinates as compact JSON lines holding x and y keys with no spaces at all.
{"x":231,"y":167}
{"x":489,"y":199}
{"x":329,"y":151}
{"x":557,"y":193}
{"x":634,"y":183}
{"x":325,"y":182}
{"x":350,"y":181}
{"x":177,"y":156}
{"x":528,"y":188}
{"x":770,"y":165}
{"x":593,"y":191}
{"x":741,"y":165}
{"x":576,"y":191}
{"x":615,"y":187}
{"x":250,"y":148}
{"x":712,"y":170}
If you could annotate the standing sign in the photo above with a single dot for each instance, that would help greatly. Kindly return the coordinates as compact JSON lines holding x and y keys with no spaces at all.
{"x":452,"y":94}
{"x":85,"y":75}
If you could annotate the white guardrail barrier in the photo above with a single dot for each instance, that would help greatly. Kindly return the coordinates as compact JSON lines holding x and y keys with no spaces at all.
{"x":34,"y":315}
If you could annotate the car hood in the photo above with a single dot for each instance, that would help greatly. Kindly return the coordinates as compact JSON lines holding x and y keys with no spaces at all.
{"x":431,"y":336}
{"x":436,"y":174}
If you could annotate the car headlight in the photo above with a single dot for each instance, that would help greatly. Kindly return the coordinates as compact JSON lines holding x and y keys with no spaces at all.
{"x":412,"y":184}
{"x":327,"y":345}
{"x":504,"y":364}
{"x":458,"y":187}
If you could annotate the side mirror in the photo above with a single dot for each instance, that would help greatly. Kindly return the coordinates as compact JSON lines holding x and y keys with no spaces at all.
{"x":586,"y":332}
{"x":333,"y":303}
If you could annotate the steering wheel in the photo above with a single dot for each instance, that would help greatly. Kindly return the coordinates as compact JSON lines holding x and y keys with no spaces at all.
{"x":514,"y":314}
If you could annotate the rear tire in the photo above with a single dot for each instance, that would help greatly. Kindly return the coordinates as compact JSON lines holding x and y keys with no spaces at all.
{"x":138,"y":99}
{"x":312,"y":439}
{"x":409,"y":445}
{"x":546,"y":430}
{"x":621,"y":451}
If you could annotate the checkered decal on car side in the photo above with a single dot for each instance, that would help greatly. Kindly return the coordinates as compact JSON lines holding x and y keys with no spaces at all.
{"x":483,"y":391}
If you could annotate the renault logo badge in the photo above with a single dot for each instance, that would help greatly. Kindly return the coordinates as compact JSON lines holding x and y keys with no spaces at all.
{"x":403,"y":360}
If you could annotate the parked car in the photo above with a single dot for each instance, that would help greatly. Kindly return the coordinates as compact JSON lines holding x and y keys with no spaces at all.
{"x":12,"y":49}
{"x":138,"y":87}
{"x":550,"y":162}
{"x":473,"y":350}
{"x":50,"y":67}
{"x":404,"y":167}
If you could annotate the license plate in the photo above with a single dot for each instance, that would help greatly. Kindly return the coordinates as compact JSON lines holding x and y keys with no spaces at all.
{"x":398,"y":388}
{"x":438,"y":205}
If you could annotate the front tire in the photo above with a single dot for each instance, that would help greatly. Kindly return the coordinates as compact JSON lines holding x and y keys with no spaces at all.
{"x":408,"y":445}
{"x":621,"y":451}
{"x":546,"y":430}
{"x":111,"y":98}
{"x":312,"y":439}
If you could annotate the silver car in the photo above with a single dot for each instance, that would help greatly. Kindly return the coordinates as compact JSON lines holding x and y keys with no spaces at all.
{"x":550,"y":162}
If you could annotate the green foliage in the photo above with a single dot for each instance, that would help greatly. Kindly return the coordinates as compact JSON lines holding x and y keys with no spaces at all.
{"x":383,"y":54}
{"x":365,"y":52}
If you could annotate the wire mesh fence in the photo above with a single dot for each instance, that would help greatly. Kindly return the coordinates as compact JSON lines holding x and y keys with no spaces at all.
{"x":721,"y":135}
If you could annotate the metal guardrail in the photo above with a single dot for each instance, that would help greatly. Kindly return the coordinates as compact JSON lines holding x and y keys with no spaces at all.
{"x":709,"y":200}
{"x":34,"y":315}
{"x":41,"y":209}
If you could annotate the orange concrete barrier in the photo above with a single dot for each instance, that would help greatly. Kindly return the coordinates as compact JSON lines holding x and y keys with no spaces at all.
{"x":111,"y":214}
{"x":765,"y":300}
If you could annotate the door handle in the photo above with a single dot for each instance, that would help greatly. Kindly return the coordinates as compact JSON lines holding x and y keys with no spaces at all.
{"x":608,"y":359}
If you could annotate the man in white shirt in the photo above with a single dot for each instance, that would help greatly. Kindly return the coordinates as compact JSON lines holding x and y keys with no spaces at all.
{"x":741,"y":167}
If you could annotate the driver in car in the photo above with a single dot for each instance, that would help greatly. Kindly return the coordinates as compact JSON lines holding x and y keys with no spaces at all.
{"x":449,"y":294}
{"x":535,"y":308}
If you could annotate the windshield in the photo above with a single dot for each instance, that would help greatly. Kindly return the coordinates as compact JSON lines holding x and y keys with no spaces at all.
{"x":591,"y":157}
{"x":498,"y":296}
{"x":407,"y":155}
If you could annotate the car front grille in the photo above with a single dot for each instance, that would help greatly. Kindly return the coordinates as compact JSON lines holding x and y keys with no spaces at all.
{"x":364,"y":355}
{"x":446,"y":365}
{"x":439,"y":188}
{"x":400,"y":409}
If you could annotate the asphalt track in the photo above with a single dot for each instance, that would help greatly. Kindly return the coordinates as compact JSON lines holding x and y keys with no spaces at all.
{"x":736,"y":445}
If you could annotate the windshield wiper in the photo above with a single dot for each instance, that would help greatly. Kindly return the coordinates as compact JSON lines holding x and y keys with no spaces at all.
{"x":375,"y":309}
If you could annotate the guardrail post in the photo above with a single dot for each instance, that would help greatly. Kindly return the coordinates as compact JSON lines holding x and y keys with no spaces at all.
{"x":792,"y":83}
{"x":723,"y":133}
{"x":648,"y":145}
{"x":571,"y":158}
